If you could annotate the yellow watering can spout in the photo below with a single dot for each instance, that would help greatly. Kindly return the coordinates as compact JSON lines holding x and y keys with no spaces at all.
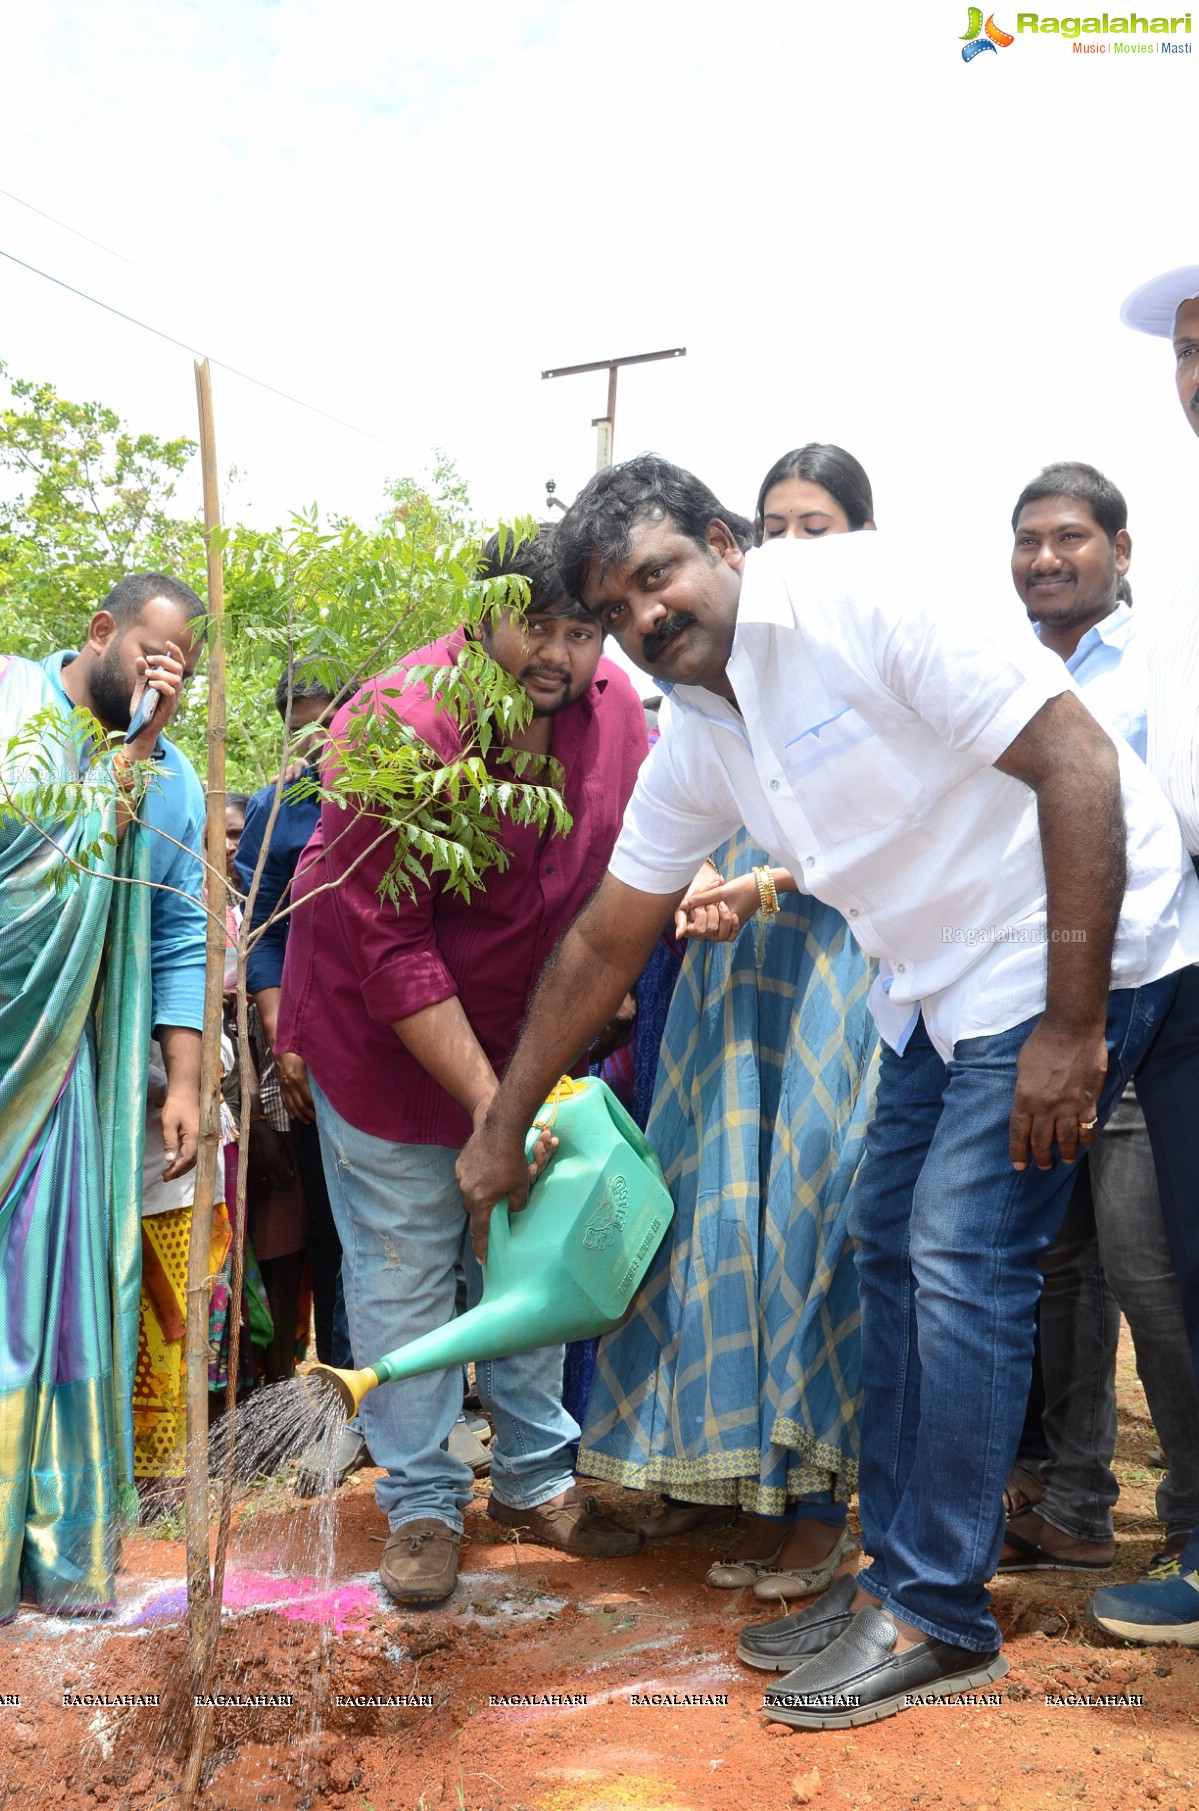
{"x":566,"y":1267}
{"x":326,"y":1384}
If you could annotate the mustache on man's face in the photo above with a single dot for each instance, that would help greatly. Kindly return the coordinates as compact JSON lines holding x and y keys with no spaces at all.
{"x":665,"y":633}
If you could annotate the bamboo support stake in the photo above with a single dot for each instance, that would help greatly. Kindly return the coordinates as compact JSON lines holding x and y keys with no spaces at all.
{"x":201,"y":1610}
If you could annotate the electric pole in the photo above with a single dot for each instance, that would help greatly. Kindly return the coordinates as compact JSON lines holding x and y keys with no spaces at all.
{"x":607,"y":423}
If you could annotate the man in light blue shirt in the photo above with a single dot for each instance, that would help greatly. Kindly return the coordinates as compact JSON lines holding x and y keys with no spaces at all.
{"x":137,"y":619}
{"x":1070,"y":560}
{"x":1110,"y":667}
{"x":1070,"y":565}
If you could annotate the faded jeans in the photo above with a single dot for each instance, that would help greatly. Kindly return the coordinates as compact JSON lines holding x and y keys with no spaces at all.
{"x":401,"y":1220}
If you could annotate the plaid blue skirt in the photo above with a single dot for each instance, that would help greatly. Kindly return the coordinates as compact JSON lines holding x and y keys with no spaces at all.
{"x":736,"y":1378}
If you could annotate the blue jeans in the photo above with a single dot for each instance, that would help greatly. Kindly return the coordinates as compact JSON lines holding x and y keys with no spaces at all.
{"x":950,"y":1239}
{"x":401,"y":1222}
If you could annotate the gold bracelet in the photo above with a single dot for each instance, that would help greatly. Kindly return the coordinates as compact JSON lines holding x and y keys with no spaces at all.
{"x":768,"y":899}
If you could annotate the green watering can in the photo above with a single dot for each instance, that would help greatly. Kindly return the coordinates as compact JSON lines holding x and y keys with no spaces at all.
{"x":566,"y":1266}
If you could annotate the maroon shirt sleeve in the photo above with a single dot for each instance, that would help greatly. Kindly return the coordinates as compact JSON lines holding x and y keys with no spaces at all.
{"x":393,"y":948}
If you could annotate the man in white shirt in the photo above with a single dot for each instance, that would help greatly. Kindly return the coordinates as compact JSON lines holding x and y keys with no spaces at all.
{"x":1165,"y":1607}
{"x":921,"y":763}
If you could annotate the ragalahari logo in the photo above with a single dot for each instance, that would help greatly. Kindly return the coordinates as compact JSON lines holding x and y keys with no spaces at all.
{"x":973,"y":39}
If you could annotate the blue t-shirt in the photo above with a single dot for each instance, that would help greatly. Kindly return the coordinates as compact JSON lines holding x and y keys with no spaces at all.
{"x":294,"y":824}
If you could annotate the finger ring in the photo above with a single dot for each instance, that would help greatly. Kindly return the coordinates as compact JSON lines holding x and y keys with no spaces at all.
{"x":1088,"y":1125}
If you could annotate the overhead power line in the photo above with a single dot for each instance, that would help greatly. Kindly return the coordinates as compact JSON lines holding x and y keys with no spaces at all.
{"x":88,"y":240}
{"x":198,"y":352}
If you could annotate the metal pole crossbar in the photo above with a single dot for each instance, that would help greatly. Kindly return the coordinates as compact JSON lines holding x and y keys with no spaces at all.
{"x":607,"y":423}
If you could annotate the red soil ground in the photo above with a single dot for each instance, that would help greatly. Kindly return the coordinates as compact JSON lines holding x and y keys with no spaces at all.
{"x":526,"y":1621}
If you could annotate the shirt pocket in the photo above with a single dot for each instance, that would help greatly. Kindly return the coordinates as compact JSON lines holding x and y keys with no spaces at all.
{"x":848,"y":781}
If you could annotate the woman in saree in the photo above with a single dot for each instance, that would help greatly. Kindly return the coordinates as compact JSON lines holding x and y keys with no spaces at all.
{"x":75,"y":1009}
{"x":735,"y":1381}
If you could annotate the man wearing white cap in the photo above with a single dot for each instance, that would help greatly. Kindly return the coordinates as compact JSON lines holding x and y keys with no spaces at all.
{"x":1168,"y":307}
{"x":1165,"y":1605}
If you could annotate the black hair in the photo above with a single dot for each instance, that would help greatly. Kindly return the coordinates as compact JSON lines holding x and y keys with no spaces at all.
{"x":126,"y":601}
{"x":1085,"y":484}
{"x":600,"y":521}
{"x":238,"y":800}
{"x":829,"y":466}
{"x":534,"y":561}
{"x":307,"y":678}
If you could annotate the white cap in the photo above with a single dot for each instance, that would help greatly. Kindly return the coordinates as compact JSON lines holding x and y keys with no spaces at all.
{"x":1152,"y":307}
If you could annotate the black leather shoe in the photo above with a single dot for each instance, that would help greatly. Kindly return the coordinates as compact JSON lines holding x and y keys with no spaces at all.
{"x":778,"y":1646}
{"x":860,"y":1679}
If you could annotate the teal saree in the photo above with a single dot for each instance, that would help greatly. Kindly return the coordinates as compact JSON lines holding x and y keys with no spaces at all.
{"x":74,"y":1040}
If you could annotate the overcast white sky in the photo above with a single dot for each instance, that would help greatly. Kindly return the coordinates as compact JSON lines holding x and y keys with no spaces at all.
{"x":404,"y":212}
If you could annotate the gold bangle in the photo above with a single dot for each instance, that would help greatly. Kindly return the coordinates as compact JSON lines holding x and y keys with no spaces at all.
{"x":768,"y":899}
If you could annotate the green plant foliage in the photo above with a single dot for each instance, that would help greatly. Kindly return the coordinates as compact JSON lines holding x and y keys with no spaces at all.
{"x":349,"y":599}
{"x":93,"y":501}
{"x":86,"y":500}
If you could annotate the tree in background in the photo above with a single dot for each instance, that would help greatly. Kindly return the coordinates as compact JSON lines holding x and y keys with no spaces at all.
{"x":353,"y":598}
{"x":88,"y":500}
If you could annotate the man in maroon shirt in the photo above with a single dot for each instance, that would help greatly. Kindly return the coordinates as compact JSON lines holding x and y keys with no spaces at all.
{"x":406,"y":1016}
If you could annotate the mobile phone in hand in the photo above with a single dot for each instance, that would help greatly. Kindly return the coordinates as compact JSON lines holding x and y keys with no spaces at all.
{"x":142,"y":715}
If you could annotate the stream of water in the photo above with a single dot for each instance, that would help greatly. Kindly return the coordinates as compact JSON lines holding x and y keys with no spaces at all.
{"x":69,"y":1670}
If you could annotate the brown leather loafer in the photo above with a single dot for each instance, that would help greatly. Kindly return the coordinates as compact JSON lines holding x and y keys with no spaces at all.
{"x":420,"y":1561}
{"x":572,"y":1522}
